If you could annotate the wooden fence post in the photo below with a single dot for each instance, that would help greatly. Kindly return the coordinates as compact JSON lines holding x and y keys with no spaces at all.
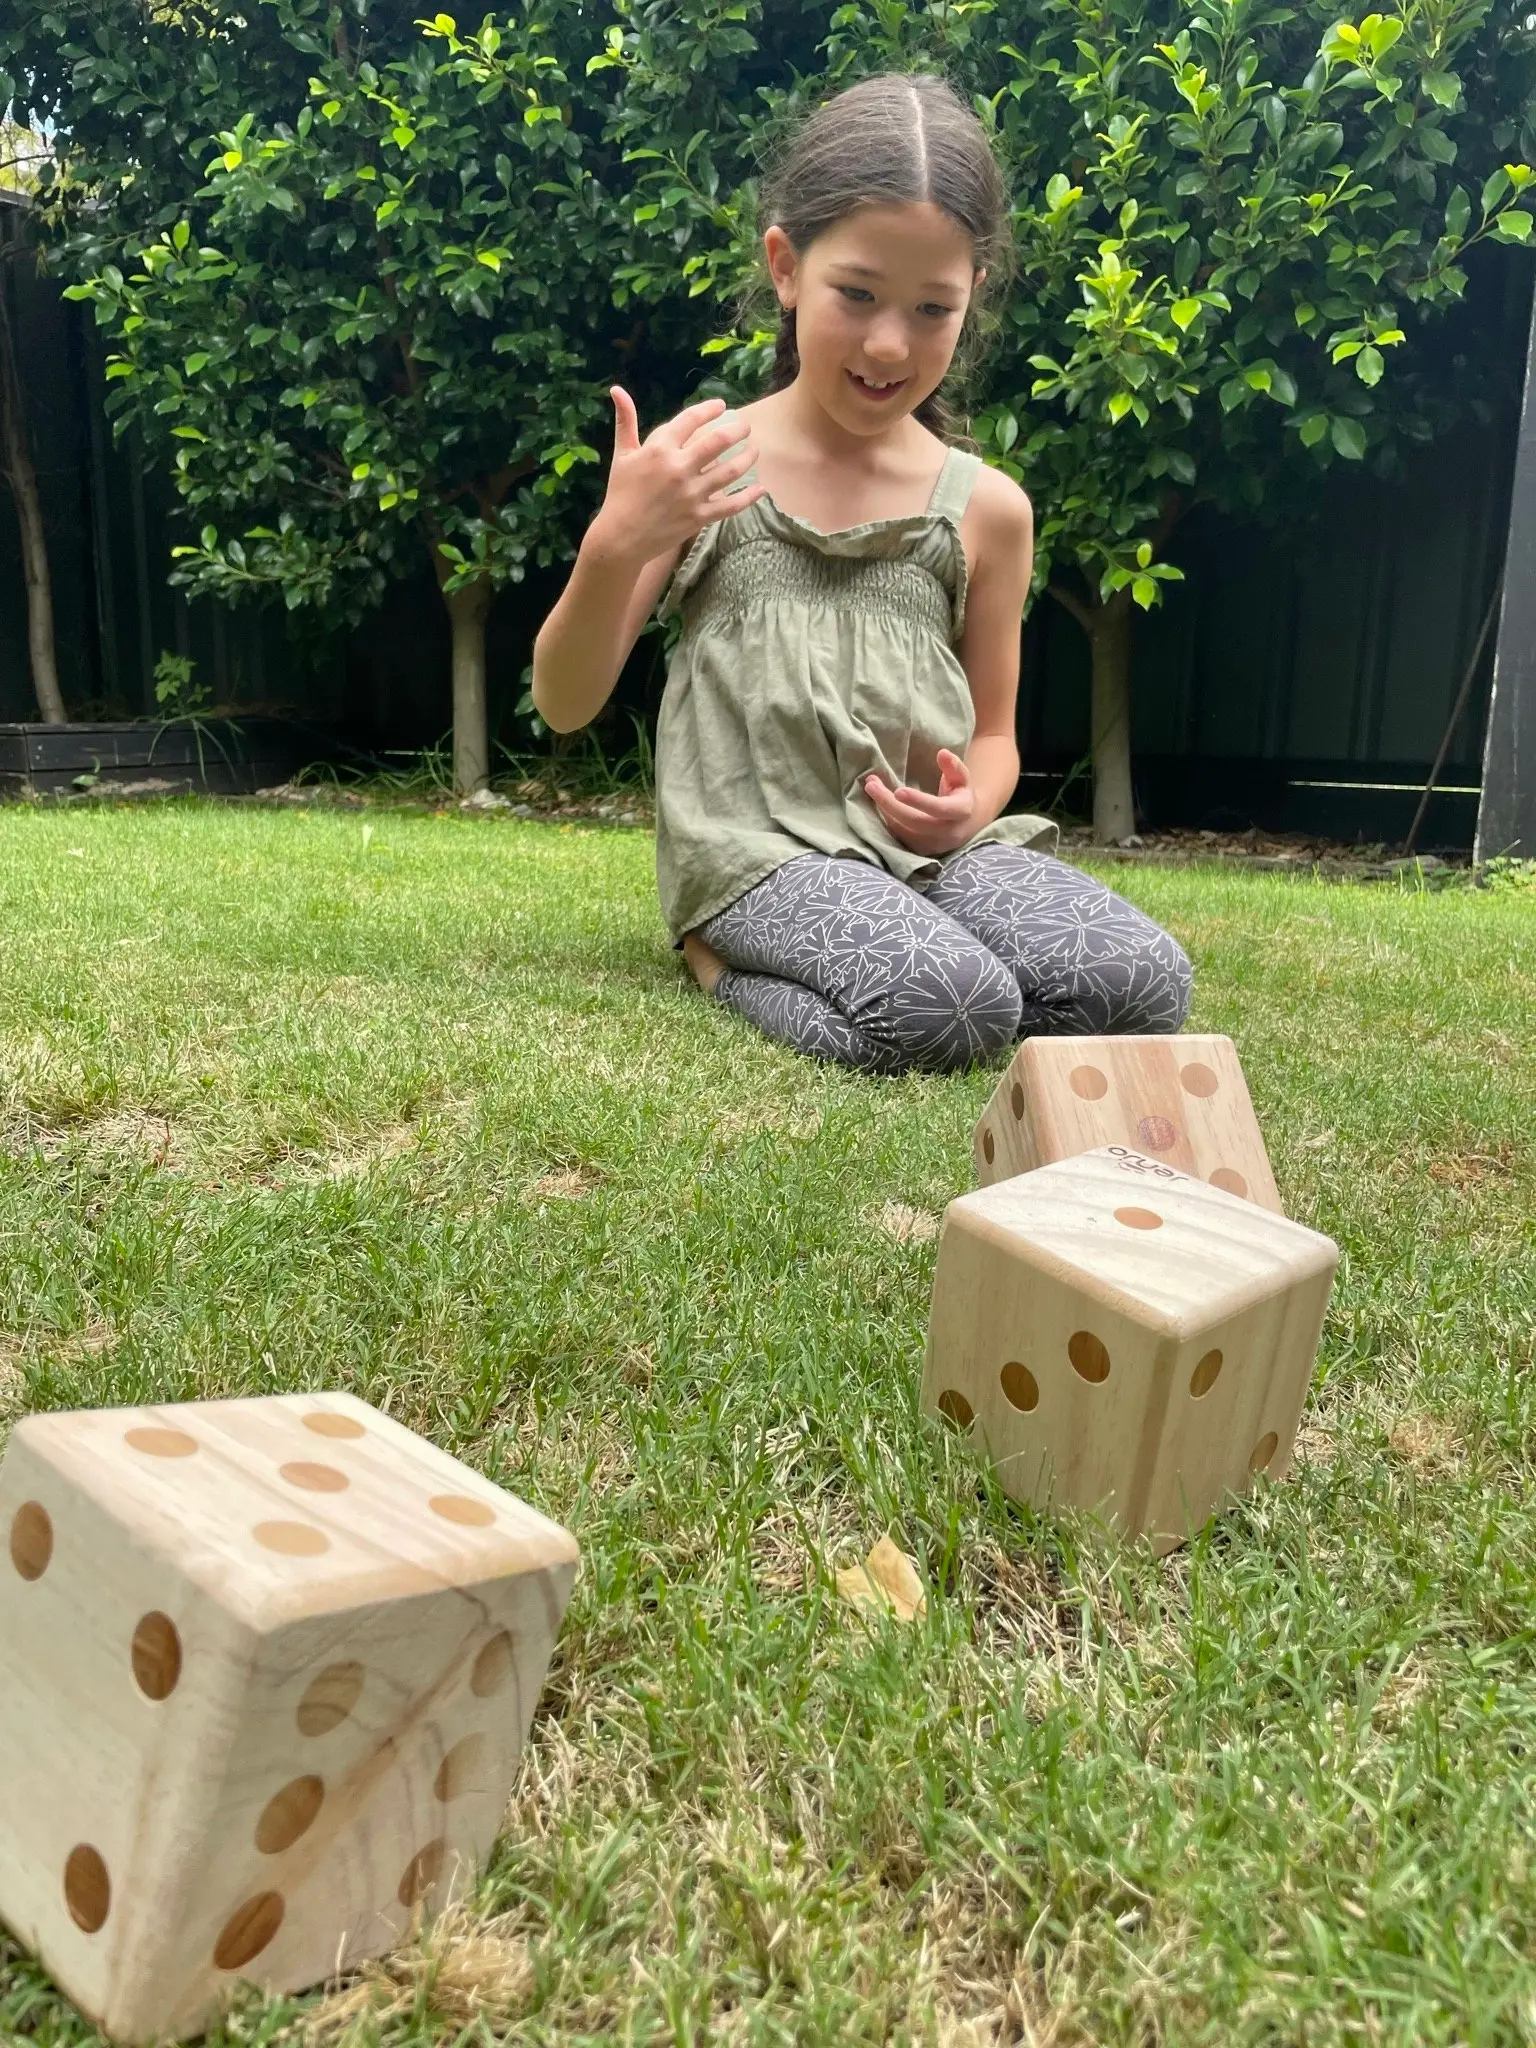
{"x":1506,"y":816}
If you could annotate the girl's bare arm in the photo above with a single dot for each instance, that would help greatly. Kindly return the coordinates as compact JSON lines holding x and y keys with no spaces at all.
{"x":586,"y":639}
{"x":660,"y":493}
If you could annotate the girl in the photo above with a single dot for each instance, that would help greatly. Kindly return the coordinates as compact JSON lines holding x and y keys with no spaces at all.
{"x":836,"y":736}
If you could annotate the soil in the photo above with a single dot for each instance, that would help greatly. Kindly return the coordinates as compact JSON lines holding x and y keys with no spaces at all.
{"x":1279,"y":852}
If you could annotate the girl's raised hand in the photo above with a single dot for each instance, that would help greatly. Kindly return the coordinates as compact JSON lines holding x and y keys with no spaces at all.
{"x":663,"y":489}
{"x":924,"y":823}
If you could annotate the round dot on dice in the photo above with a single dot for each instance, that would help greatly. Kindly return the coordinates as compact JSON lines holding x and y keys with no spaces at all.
{"x":1263,"y":1451}
{"x":1198,"y":1079}
{"x":1203,"y":1378}
{"x":248,"y":1930}
{"x":1016,"y":1101}
{"x":1020,"y":1386}
{"x":315,"y":1478}
{"x":1091,"y":1083}
{"x":422,"y":1872}
{"x":329,"y":1698}
{"x":458,"y":1507}
{"x":87,"y":1888}
{"x":493,"y":1667}
{"x":1090,"y":1358}
{"x":1230,"y":1180}
{"x":156,"y":1655}
{"x":161,"y":1443}
{"x":955,"y":1409}
{"x":1157,"y":1133}
{"x":289,"y":1814}
{"x":292,"y":1539}
{"x":1139,"y":1219}
{"x":988,"y":1147}
{"x":31,"y":1539}
{"x":462,"y":1769}
{"x":326,"y":1422}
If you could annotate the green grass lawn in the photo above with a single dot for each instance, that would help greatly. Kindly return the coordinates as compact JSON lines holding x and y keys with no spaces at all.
{"x":422,"y":1107}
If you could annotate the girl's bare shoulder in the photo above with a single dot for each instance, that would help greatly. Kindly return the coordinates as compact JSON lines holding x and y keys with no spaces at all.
{"x":999,"y":519}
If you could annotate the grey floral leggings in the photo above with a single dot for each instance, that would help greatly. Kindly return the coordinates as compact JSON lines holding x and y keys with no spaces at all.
{"x":840,"y":960}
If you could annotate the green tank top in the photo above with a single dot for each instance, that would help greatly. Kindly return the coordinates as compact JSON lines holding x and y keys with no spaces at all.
{"x":807,"y":661}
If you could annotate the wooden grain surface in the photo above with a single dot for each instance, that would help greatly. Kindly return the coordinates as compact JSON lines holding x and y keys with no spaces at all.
{"x":1180,"y":1099}
{"x":252,"y":1718}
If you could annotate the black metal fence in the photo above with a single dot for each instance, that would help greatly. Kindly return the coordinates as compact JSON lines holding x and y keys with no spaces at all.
{"x":1294,"y":680}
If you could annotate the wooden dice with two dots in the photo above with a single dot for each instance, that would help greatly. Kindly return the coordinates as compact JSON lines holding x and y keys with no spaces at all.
{"x":1124,"y":1338}
{"x":268,"y":1668}
{"x":1182,"y":1099}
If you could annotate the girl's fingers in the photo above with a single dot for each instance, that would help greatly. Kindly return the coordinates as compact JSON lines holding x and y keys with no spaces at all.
{"x":626,"y":421}
{"x":718,"y":437}
{"x":726,"y":504}
{"x":726,"y":468}
{"x":677,"y":431}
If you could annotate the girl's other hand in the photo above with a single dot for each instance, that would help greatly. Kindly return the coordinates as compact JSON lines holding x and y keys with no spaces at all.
{"x":924,"y":823}
{"x":662,"y":490}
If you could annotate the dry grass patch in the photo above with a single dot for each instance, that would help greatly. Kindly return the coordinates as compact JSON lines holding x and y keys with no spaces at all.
{"x":141,"y":1137}
{"x":1430,"y":1446}
{"x":899,"y":1220}
{"x":466,"y":1972}
{"x":563,"y":1184}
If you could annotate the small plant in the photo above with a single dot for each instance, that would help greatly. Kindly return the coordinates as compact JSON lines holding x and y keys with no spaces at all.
{"x":1506,"y":875}
{"x":175,"y":688}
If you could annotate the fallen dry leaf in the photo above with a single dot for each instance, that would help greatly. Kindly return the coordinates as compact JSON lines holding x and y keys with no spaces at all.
{"x":887,"y":1580}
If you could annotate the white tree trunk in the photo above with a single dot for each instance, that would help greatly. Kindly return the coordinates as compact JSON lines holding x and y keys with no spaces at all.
{"x":1109,"y":637}
{"x":468,"y":610}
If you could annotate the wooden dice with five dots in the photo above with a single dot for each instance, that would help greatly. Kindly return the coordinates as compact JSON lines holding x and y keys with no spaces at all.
{"x":1122,"y":1337}
{"x":1180,"y":1099}
{"x":270,"y":1664}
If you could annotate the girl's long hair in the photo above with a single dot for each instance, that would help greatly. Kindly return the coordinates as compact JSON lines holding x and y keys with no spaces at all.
{"x":889,"y":141}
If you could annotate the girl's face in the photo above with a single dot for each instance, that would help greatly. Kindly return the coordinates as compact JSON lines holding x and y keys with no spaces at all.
{"x":879,"y":302}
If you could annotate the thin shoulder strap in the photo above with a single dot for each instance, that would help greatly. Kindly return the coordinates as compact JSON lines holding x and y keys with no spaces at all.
{"x":952,"y":492}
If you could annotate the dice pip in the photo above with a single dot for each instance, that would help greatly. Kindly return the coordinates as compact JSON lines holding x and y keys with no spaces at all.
{"x":1125,"y":1338}
{"x":268,"y":1668}
{"x":1182,"y":1099}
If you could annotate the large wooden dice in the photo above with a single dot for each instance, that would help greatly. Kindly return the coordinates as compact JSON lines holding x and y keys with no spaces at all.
{"x":1181,"y":1099}
{"x":268,"y":1666}
{"x":1122,"y":1337}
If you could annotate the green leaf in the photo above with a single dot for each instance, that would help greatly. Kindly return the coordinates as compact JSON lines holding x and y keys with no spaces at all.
{"x":1305,"y":314}
{"x":1513,"y":226}
{"x":1443,"y":87}
{"x":1458,"y":211}
{"x":1348,"y":438}
{"x":1233,"y":393}
{"x":1314,"y":429}
{"x":388,"y":501}
{"x":1282,"y":385}
{"x":1184,"y":313}
{"x":1056,"y":191}
{"x":361,"y":470}
{"x":1144,"y":591}
{"x":1275,"y":116}
{"x":1435,"y":144}
{"x":1006,"y":431}
{"x":1369,"y":366}
{"x":1119,"y":405}
{"x":195,"y":362}
{"x":1494,"y":189}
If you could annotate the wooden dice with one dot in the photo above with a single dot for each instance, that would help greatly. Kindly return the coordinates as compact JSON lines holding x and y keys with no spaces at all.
{"x":1181,"y":1099}
{"x":1125,"y":1338}
{"x":268,"y":1668}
